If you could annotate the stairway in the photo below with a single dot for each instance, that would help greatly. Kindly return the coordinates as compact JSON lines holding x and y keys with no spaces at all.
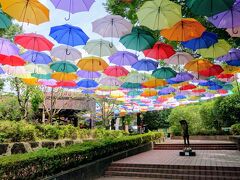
{"x":173,"y":171}
{"x":202,"y":146}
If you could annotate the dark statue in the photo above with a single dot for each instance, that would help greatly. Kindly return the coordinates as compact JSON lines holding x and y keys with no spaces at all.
{"x":185,"y":133}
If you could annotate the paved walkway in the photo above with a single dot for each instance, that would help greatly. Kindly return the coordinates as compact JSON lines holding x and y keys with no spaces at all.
{"x":229,"y":158}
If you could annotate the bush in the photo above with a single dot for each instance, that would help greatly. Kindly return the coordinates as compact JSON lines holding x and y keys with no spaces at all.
{"x":235,"y":129}
{"x":46,"y":162}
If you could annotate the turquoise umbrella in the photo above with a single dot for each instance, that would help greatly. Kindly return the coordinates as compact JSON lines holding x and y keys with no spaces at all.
{"x":138,"y":40}
{"x":164,"y":73}
{"x":5,"y":22}
{"x":63,"y":66}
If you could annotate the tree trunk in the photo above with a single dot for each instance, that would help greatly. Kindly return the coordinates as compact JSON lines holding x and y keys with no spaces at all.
{"x":51,"y":107}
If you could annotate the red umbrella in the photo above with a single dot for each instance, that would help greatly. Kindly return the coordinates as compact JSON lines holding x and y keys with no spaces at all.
{"x":160,"y":51}
{"x":222,"y":91}
{"x":188,"y":87}
{"x":34,"y":41}
{"x":224,"y":76}
{"x":212,"y":71}
{"x":67,"y":84}
{"x":116,"y":71}
{"x":11,"y":60}
{"x":199,"y":90}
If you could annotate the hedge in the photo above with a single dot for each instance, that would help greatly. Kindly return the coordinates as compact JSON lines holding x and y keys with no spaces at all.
{"x":45,"y":162}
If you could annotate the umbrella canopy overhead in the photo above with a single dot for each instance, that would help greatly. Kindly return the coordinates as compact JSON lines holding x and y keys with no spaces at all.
{"x":8,"y":48}
{"x":164,"y":73}
{"x":159,"y":14}
{"x":152,"y":83}
{"x":209,"y":7}
{"x":5,"y":22}
{"x":116,"y":71}
{"x":212,"y":71}
{"x":233,"y":54}
{"x":123,"y":58}
{"x":100,"y":48}
{"x":179,"y":58}
{"x":36,"y":57}
{"x":69,"y":35}
{"x":30,"y":11}
{"x":34,"y":42}
{"x":145,"y":65}
{"x":184,"y":30}
{"x":159,"y":51}
{"x":136,"y":78}
{"x":92,"y":64}
{"x":88,"y":74}
{"x":65,"y":52}
{"x":38,"y":69}
{"x":11,"y":60}
{"x":113,"y":26}
{"x":138,"y":40}
{"x":59,"y":76}
{"x":110,"y":81}
{"x":197,"y":65}
{"x":87,"y":83}
{"x":63,"y":66}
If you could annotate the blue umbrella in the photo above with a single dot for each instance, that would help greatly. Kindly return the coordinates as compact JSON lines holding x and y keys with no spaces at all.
{"x":233,"y":62}
{"x":178,"y":97}
{"x":69,"y":35}
{"x":205,"y":41}
{"x":36,"y":57}
{"x":87,"y":83}
{"x":86,"y":91}
{"x":215,"y":87}
{"x":207,"y":83}
{"x":145,"y":65}
{"x":183,"y":76}
{"x":166,"y":90}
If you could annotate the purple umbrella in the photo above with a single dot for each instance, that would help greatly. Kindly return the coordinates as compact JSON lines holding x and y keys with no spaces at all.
{"x":36,"y":57}
{"x":183,"y":76}
{"x":88,"y":74}
{"x":123,"y":58}
{"x":227,"y":19}
{"x":73,"y":6}
{"x":8,"y":48}
{"x":234,"y":54}
{"x":110,"y":81}
{"x":166,"y":90}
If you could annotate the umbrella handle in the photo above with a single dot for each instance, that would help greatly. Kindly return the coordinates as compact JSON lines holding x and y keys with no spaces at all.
{"x":215,"y":17}
{"x":68,"y":18}
{"x":111,"y":44}
{"x":234,"y":32}
{"x":68,"y":52}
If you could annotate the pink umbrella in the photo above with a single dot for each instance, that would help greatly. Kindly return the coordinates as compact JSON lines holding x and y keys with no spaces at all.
{"x":116,"y":71}
{"x":234,"y":34}
{"x":179,"y":58}
{"x":110,"y":81}
{"x":50,"y":82}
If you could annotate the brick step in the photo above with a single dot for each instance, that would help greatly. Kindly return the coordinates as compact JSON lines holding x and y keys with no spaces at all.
{"x":176,"y":171}
{"x":189,"y":167}
{"x":195,"y":148}
{"x":169,"y":176}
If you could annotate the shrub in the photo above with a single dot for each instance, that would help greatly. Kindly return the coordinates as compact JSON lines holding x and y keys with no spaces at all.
{"x":46,"y":162}
{"x":235,"y":129}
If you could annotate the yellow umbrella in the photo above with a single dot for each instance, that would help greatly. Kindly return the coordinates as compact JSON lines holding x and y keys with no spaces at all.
{"x":230,"y":69}
{"x":153,"y":82}
{"x":60,"y":76}
{"x":92,"y":64}
{"x":30,"y":81}
{"x":197,"y":65}
{"x":180,"y":84}
{"x":29,"y":11}
{"x":149,"y":93}
{"x":117,"y":94}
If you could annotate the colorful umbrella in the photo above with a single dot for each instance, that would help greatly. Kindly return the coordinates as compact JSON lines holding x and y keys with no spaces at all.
{"x":164,"y":73}
{"x":183,"y":76}
{"x":233,"y":54}
{"x":233,"y":62}
{"x":130,"y":85}
{"x":33,"y":41}
{"x":1,"y":70}
{"x":166,"y":90}
{"x":112,"y":26}
{"x":179,"y":58}
{"x":209,"y":7}
{"x":110,"y":81}
{"x":219,"y":49}
{"x":5,"y":22}
{"x":87,"y":83}
{"x":59,"y":76}
{"x":11,"y":60}
{"x":30,"y":81}
{"x":42,"y":76}
{"x":215,"y":87}
{"x":136,"y":78}
{"x":8,"y":48}
{"x":149,"y":93}
{"x":145,"y":65}
{"x":116,"y":71}
{"x":159,"y":51}
{"x":184,"y":30}
{"x":228,"y":18}
{"x":63,"y":66}
{"x":100,"y":48}
{"x":92,"y":64}
{"x":73,"y":6}
{"x":18,"y":71}
{"x":205,"y":41}
{"x":235,"y":33}
{"x":30,"y":11}
{"x":69,"y":35}
{"x":64,"y":52}
{"x":38,"y":69}
{"x":88,"y":74}
{"x":197,"y":65}
{"x":36,"y":57}
{"x":123,"y":58}
{"x":152,"y":83}
{"x":159,"y":14}
{"x":134,"y":93}
{"x":187,"y":87}
{"x":138,"y":39}
{"x":66,"y":84}
{"x":212,"y":71}
{"x":50,"y":82}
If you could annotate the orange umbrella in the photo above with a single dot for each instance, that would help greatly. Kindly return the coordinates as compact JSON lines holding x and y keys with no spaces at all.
{"x":60,"y":76}
{"x":30,"y":81}
{"x":198,"y":65}
{"x":153,"y":82}
{"x":184,"y":30}
{"x":149,"y":93}
{"x":92,"y":64}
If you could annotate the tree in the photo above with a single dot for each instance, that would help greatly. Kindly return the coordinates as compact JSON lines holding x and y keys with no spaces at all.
{"x":1,"y":84}
{"x":156,"y":119}
{"x":11,"y":32}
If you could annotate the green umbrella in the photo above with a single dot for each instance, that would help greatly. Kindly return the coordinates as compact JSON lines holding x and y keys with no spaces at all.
{"x":63,"y":66}
{"x":159,"y":14}
{"x":138,"y":40}
{"x":129,"y":85}
{"x":228,"y":87}
{"x":164,"y":73}
{"x":209,"y":7}
{"x":41,"y":76}
{"x":5,"y":22}
{"x":134,"y":93}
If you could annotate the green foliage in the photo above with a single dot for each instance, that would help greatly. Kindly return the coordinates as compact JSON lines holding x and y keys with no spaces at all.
{"x":36,"y":99}
{"x":235,"y":129}
{"x":11,"y":32}
{"x":1,"y":84}
{"x":156,"y":119}
{"x":46,"y":162}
